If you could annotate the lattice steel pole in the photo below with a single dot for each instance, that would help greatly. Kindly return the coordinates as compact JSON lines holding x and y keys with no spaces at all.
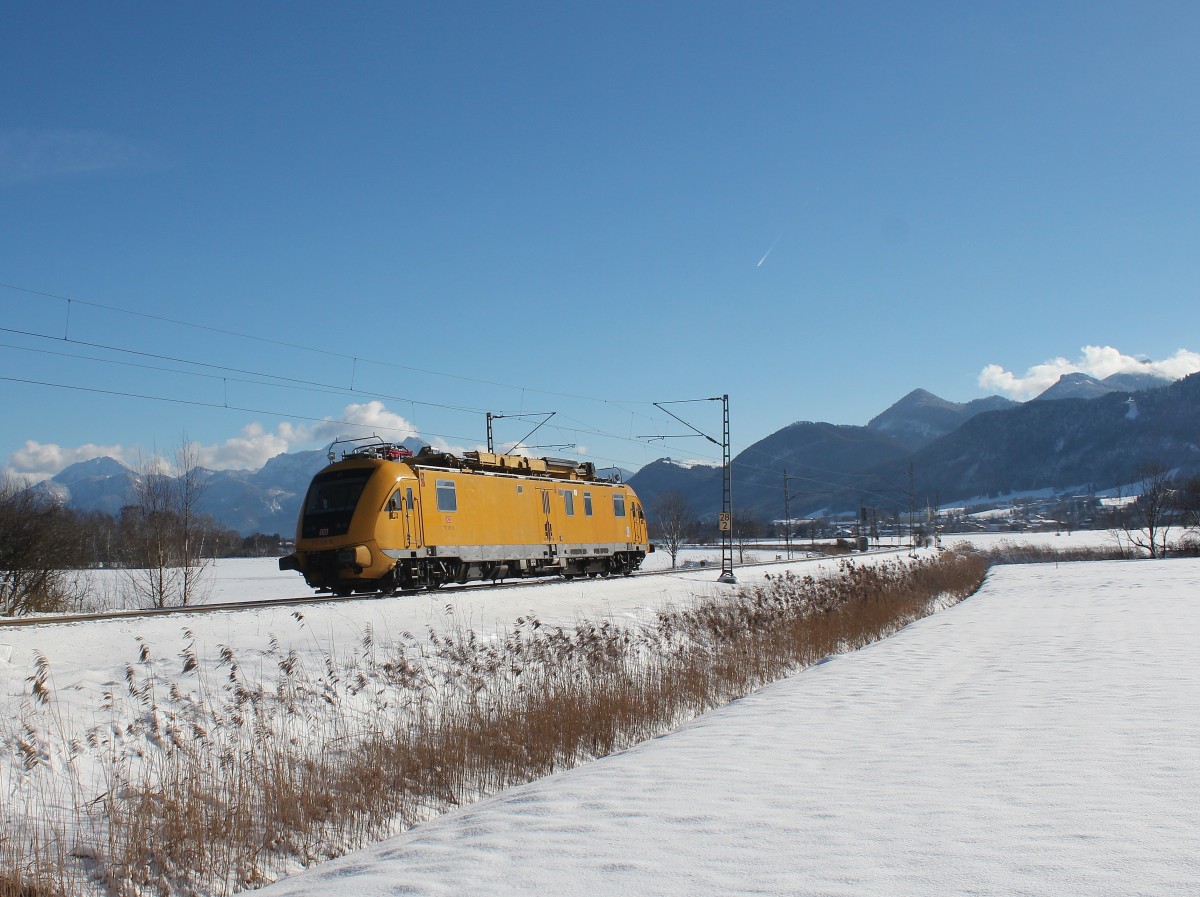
{"x":787,"y":512}
{"x":726,"y":501}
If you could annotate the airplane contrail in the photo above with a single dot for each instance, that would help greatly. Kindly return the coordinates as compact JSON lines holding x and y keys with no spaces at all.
{"x":768,"y":252}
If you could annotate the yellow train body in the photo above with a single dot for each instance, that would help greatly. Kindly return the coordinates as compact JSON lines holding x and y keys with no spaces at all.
{"x":377,"y":521}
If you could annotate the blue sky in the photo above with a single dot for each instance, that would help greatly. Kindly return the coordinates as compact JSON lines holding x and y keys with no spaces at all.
{"x":427,"y":212}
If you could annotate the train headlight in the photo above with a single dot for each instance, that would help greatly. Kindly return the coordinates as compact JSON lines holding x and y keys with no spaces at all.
{"x":359,"y":556}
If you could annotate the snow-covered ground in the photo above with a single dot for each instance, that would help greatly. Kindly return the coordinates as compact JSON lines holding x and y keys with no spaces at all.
{"x":88,"y":658}
{"x":1036,"y":739}
{"x":1040,"y":738}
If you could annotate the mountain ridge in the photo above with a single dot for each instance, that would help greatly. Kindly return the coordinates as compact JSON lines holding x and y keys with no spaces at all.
{"x":958,"y":450}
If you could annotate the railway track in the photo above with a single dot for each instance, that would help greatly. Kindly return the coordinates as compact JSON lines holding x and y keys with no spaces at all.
{"x":299,"y":601}
{"x":311,"y":599}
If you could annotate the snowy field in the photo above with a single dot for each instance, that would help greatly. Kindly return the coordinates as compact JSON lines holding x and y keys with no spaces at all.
{"x":89,"y":658}
{"x":1041,"y":738}
{"x":1038,"y":739}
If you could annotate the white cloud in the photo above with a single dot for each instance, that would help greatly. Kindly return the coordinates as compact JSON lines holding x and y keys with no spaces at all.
{"x":371,"y":418}
{"x":1096,"y":361}
{"x":1178,"y":365}
{"x":249,"y":450}
{"x":34,"y":155}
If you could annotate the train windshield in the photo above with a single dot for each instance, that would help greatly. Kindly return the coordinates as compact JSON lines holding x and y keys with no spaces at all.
{"x":331,"y":500}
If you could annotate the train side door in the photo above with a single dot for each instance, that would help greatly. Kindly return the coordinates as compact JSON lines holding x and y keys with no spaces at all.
{"x":404,"y":507}
{"x":550,"y":518}
{"x":413,"y":524}
{"x":638,"y":528}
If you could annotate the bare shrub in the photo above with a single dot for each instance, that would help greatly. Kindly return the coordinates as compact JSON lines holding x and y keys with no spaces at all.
{"x":1007,"y":552}
{"x":1188,"y":546}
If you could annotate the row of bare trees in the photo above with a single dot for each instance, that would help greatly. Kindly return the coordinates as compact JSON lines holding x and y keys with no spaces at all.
{"x":160,"y":543}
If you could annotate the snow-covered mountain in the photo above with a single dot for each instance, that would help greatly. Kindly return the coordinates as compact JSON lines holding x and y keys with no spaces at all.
{"x":266,"y":500}
{"x":100,"y":484}
{"x":921,"y":417}
{"x":985,"y":446}
{"x":996,"y":447}
{"x":1083,"y":386}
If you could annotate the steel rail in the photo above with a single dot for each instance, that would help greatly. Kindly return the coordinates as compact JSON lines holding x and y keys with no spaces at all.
{"x":300,"y":601}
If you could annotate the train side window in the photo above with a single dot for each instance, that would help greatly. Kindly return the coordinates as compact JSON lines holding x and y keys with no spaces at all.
{"x":569,"y":501}
{"x":396,"y":502}
{"x":587,"y":504}
{"x":447,"y":497}
{"x":408,"y":497}
{"x":618,"y":504}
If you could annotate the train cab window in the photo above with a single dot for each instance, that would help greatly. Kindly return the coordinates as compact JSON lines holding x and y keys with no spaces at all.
{"x":331,"y":500}
{"x":618,"y":504}
{"x":569,"y":501}
{"x":587,"y":504}
{"x":447,"y":497}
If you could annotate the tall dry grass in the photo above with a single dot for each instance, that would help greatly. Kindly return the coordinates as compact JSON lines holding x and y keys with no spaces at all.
{"x":1011,"y":552}
{"x":220,"y":780}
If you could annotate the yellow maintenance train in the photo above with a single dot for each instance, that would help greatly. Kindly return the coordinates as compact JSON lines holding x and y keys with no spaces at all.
{"x":381,"y":519}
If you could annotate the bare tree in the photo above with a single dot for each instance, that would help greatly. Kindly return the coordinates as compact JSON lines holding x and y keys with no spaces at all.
{"x":166,"y":536}
{"x":676,"y":520}
{"x":746,"y":529}
{"x":1146,"y":521}
{"x":35,"y":544}
{"x":195,"y":531}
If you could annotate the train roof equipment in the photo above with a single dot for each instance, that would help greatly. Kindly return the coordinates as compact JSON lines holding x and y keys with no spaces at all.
{"x":478,"y":461}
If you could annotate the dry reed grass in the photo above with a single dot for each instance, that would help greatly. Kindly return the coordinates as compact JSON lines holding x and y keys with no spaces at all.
{"x":219,"y":782}
{"x":1006,"y":552}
